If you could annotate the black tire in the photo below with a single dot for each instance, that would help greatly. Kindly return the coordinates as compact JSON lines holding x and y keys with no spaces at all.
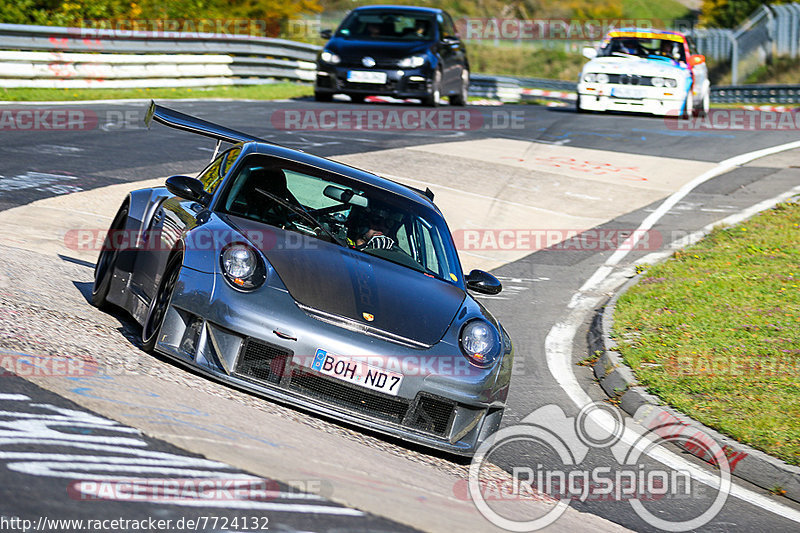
{"x":578,"y":107}
{"x":688,"y":107}
{"x":434,"y":96}
{"x":159,"y":305}
{"x":323,"y":97}
{"x":460,"y":99}
{"x":107,"y":260}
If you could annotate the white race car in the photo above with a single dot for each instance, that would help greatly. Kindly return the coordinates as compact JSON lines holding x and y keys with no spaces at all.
{"x":645,"y":71}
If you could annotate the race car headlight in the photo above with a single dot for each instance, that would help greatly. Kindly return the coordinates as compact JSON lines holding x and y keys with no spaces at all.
{"x":412,"y":62}
{"x":657,"y":82}
{"x":669,"y":82}
{"x":329,"y":57}
{"x":590,"y":77}
{"x":602,"y":78}
{"x":242,"y":267}
{"x":480,"y":342}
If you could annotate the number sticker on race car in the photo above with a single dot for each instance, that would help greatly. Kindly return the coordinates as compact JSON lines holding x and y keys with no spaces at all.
{"x":357,"y":372}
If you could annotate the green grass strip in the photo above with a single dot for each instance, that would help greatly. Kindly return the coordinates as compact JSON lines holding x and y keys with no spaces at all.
{"x":715,"y":331}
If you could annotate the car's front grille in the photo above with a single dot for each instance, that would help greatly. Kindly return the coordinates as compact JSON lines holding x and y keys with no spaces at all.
{"x":432,"y":414}
{"x":266,"y":363}
{"x":262,"y":361}
{"x":380,"y":62}
{"x":352,"y":398}
{"x":377,"y":87}
{"x":630,"y":79}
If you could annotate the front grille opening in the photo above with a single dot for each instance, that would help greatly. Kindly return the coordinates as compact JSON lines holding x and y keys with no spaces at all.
{"x":432,"y":415}
{"x":262,"y":361}
{"x":339,"y":394}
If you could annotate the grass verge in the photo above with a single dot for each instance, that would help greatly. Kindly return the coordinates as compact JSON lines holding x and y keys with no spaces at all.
{"x":270,"y":91}
{"x":714,"y":331}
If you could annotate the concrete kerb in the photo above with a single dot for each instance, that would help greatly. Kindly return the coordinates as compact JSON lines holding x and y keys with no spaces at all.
{"x":618,"y":381}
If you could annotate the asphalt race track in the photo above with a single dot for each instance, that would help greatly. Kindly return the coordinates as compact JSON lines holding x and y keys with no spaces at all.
{"x":515,"y":167}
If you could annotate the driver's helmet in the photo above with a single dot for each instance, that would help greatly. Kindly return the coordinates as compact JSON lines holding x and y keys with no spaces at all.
{"x":630,"y":46}
{"x":362,"y":219}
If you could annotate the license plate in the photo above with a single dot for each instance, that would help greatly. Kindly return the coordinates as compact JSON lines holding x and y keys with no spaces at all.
{"x":366,"y":76}
{"x":627,"y":92}
{"x":357,"y":372}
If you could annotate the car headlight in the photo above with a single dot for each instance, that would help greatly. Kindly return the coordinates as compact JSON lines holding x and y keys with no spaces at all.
{"x":602,"y":78}
{"x":669,"y":82}
{"x":480,"y":342}
{"x":329,"y":57}
{"x":412,"y":62}
{"x":242,"y":267}
{"x":657,"y":82}
{"x":590,"y":77}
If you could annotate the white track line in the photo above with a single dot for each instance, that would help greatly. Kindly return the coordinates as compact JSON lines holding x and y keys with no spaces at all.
{"x":559,"y":341}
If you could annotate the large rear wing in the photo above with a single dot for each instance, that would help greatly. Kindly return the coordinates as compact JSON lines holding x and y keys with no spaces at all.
{"x":182,"y":121}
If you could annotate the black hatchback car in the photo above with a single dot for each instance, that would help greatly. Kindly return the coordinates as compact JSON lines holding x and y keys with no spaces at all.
{"x":399,"y":51}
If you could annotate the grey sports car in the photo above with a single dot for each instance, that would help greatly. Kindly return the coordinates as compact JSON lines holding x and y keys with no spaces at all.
{"x":311,"y":283}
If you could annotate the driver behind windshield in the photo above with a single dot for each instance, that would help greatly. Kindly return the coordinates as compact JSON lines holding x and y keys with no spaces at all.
{"x":368,"y":231}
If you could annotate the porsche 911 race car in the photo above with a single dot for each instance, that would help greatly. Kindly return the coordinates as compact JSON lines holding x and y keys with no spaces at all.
{"x":312,"y":283}
{"x":645,"y":71}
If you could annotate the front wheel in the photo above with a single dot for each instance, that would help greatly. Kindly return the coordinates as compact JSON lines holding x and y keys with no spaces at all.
{"x":460,"y":99}
{"x":160,"y":304}
{"x":323,"y":97}
{"x":107,"y":260}
{"x":434,"y":97}
{"x":688,"y":107}
{"x":706,"y":105}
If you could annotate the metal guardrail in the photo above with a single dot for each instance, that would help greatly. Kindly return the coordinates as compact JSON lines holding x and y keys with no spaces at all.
{"x":756,"y":94}
{"x":50,"y":56}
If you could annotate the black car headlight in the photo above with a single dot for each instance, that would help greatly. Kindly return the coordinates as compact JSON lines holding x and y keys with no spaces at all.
{"x":480,"y":342}
{"x":329,"y":57}
{"x":242,"y":266}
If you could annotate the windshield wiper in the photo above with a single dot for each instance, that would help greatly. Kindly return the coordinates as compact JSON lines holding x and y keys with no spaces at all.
{"x":302,"y":214}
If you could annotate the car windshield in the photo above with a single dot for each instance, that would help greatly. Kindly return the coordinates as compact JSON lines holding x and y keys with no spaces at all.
{"x":333,"y":208}
{"x":643,"y":47}
{"x":387,"y":25}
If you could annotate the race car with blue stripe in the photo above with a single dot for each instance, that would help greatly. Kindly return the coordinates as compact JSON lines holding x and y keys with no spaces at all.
{"x":646,"y":71}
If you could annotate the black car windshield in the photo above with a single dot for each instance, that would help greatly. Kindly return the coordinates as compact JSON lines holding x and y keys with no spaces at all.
{"x":374,"y":25}
{"x":643,"y":47}
{"x":328,"y":206}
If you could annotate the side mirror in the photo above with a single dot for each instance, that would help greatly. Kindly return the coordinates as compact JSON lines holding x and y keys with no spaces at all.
{"x":326,"y":34}
{"x":696,"y":59}
{"x":187,"y":188}
{"x":483,"y":282}
{"x":589,"y":52}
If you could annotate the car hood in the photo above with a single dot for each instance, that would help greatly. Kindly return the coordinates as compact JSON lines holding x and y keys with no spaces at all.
{"x":377,"y":49}
{"x":347,"y":283}
{"x":636,"y":65}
